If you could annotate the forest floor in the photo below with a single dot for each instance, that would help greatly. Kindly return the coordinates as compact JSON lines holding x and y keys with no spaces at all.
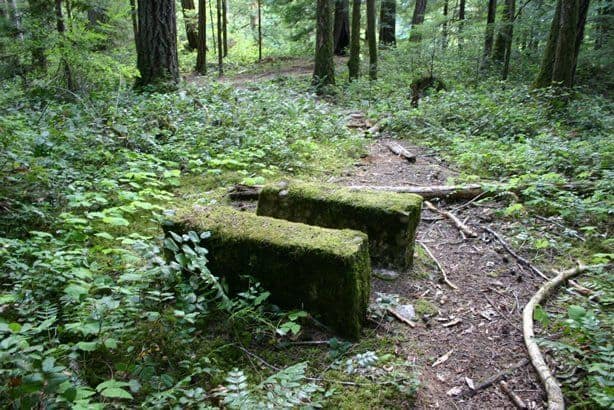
{"x":463,"y":336}
{"x":477,"y":326}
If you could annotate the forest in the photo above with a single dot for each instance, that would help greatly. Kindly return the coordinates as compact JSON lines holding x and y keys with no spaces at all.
{"x":342,"y":204}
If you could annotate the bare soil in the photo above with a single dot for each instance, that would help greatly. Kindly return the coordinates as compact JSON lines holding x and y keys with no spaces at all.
{"x":493,"y":288}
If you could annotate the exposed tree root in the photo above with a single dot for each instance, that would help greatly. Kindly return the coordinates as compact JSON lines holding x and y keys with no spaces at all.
{"x":553,"y":390}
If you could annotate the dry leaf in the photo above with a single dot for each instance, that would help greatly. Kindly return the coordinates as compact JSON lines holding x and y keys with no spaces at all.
{"x":442,"y":359}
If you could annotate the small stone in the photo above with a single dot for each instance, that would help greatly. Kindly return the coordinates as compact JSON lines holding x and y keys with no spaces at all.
{"x":385,"y":274}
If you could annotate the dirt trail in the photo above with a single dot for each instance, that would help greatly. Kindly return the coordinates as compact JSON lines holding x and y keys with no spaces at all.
{"x":487,"y":308}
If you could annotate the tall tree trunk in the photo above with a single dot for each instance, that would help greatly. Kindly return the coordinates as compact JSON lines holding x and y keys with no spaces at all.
{"x":259,"y":30}
{"x":135,"y":24}
{"x":461,"y":21}
{"x":341,"y":31}
{"x":603,"y":24}
{"x":187,"y":9}
{"x":490,"y":28}
{"x":417,"y":20}
{"x":562,"y":70}
{"x":220,"y":44}
{"x":212,"y":25}
{"x":387,"y":22}
{"x":42,"y":12}
{"x":444,"y":30}
{"x":225,"y":26}
{"x":201,"y":49}
{"x":509,"y":37}
{"x":354,"y":61}
{"x":157,"y":43}
{"x":505,"y":32}
{"x":61,"y":27}
{"x":582,"y":15}
{"x":324,"y":69}
{"x":15,"y":17}
{"x":544,"y":77}
{"x":371,"y":39}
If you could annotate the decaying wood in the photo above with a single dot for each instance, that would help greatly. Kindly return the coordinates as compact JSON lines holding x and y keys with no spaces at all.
{"x":513,"y":396}
{"x":461,"y":226}
{"x":495,"y":378}
{"x":400,"y":151}
{"x":519,"y":258}
{"x":579,"y":288}
{"x":469,"y":191}
{"x":401,"y":318}
{"x":441,"y":269}
{"x":553,"y":390}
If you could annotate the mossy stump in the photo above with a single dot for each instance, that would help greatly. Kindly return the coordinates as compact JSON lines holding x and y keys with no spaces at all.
{"x":325,"y":271}
{"x":389,"y":219}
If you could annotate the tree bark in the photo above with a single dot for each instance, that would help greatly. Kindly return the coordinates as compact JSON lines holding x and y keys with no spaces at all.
{"x":220,"y":44}
{"x":225,"y":26}
{"x":544,"y":77}
{"x":582,"y":15}
{"x":603,"y":24}
{"x":562,"y":69}
{"x":371,"y":39}
{"x":259,"y":30}
{"x":444,"y":30}
{"x":461,"y":21}
{"x":201,"y":47}
{"x":324,"y":69}
{"x":157,"y":43}
{"x":504,"y":36}
{"x":61,"y":27}
{"x":511,"y":7}
{"x":387,"y":22}
{"x":490,"y":29}
{"x":42,"y":12}
{"x":354,"y":61}
{"x":341,"y":30}
{"x":135,"y":24}
{"x":191,"y":32}
{"x":417,"y":20}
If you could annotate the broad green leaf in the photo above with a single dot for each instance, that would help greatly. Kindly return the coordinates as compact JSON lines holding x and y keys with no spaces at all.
{"x":115,"y":221}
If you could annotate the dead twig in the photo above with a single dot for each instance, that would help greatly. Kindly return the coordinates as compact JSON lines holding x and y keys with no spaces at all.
{"x":519,"y":258}
{"x":513,"y":396}
{"x":441,"y":269}
{"x":461,"y":226}
{"x":495,"y":378}
{"x":507,"y":319}
{"x":401,"y":318}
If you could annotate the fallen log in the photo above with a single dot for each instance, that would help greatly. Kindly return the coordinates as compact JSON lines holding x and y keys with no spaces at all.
{"x":400,"y":151}
{"x":461,"y":226}
{"x":455,"y":192}
{"x":553,"y":390}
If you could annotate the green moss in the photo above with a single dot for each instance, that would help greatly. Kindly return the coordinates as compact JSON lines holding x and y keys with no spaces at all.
{"x":424,"y":307}
{"x":323,"y":270}
{"x":389,"y":219}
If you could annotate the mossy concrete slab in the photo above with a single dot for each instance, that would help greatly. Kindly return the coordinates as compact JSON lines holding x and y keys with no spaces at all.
{"x":325,"y":271}
{"x":389,"y":219}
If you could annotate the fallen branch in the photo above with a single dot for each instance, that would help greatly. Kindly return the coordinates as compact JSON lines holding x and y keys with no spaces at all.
{"x":513,"y":396}
{"x":519,"y":258}
{"x":443,"y":272}
{"x":397,"y":149}
{"x":495,"y":378}
{"x":457,"y":192}
{"x":401,"y":318}
{"x":461,"y":226}
{"x":553,"y":390}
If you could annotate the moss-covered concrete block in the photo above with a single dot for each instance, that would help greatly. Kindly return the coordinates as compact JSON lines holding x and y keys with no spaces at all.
{"x":389,"y":219}
{"x":325,"y":271}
